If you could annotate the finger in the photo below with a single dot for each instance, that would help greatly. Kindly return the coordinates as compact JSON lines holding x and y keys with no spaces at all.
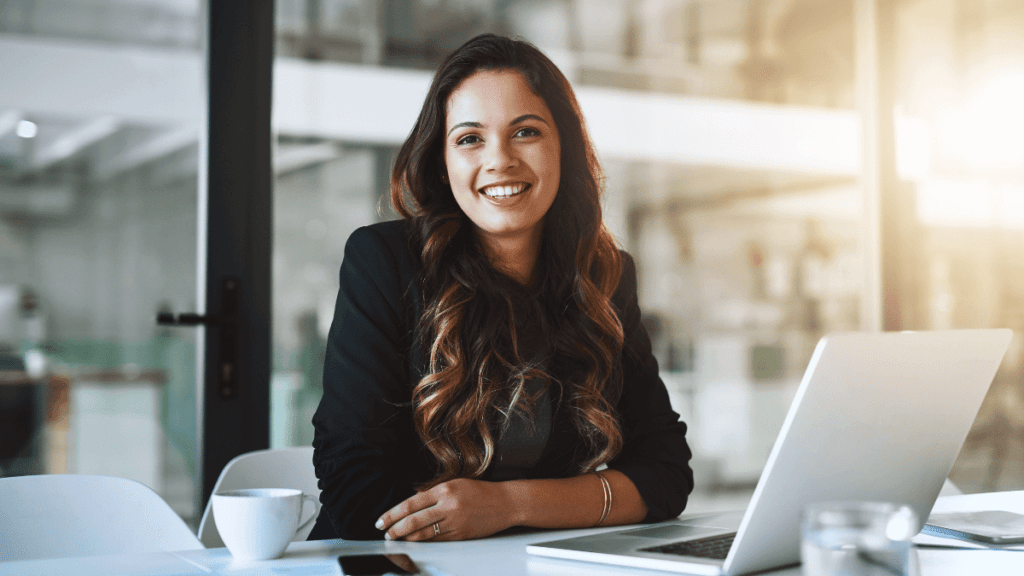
{"x":428,"y":533}
{"x":409,"y":506}
{"x":422,"y":520}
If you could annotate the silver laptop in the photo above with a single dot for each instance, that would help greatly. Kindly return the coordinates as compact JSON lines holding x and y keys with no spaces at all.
{"x":877,"y":416}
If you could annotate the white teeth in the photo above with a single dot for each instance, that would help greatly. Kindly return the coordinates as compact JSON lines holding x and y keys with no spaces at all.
{"x":504,"y":191}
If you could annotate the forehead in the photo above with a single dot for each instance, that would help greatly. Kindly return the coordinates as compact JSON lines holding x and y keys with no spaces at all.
{"x":493,"y":96}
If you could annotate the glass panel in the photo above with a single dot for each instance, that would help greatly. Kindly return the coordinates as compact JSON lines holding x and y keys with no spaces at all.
{"x":734,"y":185}
{"x":322,"y":192}
{"x":960,"y":90}
{"x":99,"y":123}
{"x":736,"y":294}
{"x":746,"y":239}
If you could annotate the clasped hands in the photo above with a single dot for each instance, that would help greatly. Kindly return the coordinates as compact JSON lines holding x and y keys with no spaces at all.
{"x":463,"y":509}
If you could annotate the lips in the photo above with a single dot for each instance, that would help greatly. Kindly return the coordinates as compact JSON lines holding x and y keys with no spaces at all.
{"x":509,"y":190}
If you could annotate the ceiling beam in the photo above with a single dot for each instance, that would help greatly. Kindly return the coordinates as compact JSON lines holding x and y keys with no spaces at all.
{"x":318,"y":99}
{"x":359,"y":104}
{"x":68,"y":79}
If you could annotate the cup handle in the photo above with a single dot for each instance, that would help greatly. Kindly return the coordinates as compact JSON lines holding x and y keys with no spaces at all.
{"x":316,"y":510}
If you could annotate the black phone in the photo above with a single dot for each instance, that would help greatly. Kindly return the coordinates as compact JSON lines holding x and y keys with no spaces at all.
{"x":377,"y":565}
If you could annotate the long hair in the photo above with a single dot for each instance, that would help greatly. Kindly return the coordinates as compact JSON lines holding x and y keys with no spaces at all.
{"x":475,"y":374}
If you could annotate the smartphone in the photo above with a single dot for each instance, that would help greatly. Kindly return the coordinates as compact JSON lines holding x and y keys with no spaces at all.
{"x":377,"y":565}
{"x":988,"y":526}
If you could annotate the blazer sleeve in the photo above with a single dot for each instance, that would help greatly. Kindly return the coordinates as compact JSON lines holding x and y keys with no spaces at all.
{"x":361,"y":442}
{"x":655,"y":455}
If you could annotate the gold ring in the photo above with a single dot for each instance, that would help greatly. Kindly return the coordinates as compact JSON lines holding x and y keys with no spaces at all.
{"x":437,"y":529}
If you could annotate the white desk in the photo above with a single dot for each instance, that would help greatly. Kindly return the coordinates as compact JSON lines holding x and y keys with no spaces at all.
{"x":505,"y":556}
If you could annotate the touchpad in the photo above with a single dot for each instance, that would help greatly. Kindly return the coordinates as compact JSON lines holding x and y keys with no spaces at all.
{"x":670,"y":531}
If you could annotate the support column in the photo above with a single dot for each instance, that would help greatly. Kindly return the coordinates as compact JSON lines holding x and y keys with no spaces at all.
{"x":890,"y":238}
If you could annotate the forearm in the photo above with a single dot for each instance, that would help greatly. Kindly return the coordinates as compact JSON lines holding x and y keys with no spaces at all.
{"x":574,"y":502}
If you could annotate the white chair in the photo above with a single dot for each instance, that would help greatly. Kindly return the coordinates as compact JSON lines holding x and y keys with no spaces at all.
{"x":280,"y":468}
{"x":65,"y":515}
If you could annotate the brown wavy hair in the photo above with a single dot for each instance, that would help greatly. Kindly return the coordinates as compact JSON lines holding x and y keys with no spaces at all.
{"x":475,"y":375}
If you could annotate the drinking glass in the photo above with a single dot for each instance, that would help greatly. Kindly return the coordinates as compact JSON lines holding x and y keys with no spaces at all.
{"x":858,"y":538}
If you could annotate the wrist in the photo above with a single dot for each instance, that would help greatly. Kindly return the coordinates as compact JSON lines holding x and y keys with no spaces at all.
{"x":517,"y":501}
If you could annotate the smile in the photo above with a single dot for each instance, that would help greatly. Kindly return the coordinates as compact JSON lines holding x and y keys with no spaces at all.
{"x":504,"y":190}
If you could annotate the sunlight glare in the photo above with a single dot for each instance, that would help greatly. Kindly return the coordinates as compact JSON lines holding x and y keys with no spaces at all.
{"x":989,"y":132}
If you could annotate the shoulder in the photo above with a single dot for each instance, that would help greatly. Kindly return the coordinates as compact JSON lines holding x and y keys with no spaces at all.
{"x":394,"y":236}
{"x":381,"y":257}
{"x":388,"y":244}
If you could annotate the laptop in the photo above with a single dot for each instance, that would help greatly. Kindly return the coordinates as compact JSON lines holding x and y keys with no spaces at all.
{"x":877,"y":416}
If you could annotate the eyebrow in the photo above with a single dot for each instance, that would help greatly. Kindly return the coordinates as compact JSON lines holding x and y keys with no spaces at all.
{"x":518,"y":120}
{"x":526,"y":117}
{"x":465,"y":125}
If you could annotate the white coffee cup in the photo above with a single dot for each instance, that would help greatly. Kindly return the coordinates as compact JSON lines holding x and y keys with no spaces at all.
{"x":259,"y":523}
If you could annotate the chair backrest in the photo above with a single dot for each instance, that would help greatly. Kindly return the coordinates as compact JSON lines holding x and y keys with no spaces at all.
{"x":66,"y":515}
{"x":279,"y":468}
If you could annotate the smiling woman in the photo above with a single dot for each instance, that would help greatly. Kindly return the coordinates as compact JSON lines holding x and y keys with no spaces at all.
{"x":486,"y":366}
{"x":502,"y":154}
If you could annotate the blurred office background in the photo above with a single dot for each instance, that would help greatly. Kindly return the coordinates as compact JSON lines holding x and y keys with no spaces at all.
{"x":730,"y":131}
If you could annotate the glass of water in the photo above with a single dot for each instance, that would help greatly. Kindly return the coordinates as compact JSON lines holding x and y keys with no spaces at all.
{"x":858,"y":539}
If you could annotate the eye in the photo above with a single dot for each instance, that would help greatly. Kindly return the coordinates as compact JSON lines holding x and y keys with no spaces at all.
{"x":527,"y":132}
{"x":467,"y":140}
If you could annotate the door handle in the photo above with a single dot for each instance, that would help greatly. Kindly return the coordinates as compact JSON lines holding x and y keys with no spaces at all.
{"x":227,"y":322}
{"x":185,"y":319}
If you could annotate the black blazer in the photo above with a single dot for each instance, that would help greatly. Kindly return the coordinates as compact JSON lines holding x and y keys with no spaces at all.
{"x":367,"y":454}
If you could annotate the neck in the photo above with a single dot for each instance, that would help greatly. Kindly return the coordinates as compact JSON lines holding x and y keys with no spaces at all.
{"x":514,"y":256}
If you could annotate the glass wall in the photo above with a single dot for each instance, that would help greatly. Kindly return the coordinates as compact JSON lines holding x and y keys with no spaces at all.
{"x":962,"y":81}
{"x":323,"y":191}
{"x":99,"y":123}
{"x":729,"y":137}
{"x":746,"y":235}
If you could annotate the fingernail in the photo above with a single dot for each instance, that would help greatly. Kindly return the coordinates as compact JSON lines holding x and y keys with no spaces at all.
{"x":387,"y":536}
{"x":380,"y":524}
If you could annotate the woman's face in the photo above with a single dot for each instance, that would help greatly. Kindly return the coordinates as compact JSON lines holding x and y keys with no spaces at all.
{"x":502,"y":154}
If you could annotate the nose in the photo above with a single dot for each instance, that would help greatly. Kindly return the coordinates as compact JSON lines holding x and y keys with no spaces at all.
{"x":500,"y":156}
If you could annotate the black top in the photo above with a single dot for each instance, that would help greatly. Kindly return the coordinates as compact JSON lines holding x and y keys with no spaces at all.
{"x":367,"y":455}
{"x":521,"y":442}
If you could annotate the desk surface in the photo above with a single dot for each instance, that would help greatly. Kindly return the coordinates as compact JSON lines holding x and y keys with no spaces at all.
{"x":504,"y":556}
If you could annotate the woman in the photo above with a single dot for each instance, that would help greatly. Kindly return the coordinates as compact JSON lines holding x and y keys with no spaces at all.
{"x":486,"y":354}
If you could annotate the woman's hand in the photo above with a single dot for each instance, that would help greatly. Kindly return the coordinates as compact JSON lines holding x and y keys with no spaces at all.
{"x":462,"y":508}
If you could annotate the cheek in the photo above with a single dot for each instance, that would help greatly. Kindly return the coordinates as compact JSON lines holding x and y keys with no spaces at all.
{"x":552,"y":160}
{"x":460,"y":179}
{"x":460,"y":171}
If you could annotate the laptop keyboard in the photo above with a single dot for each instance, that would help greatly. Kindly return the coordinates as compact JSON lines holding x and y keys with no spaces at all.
{"x":715,"y":547}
